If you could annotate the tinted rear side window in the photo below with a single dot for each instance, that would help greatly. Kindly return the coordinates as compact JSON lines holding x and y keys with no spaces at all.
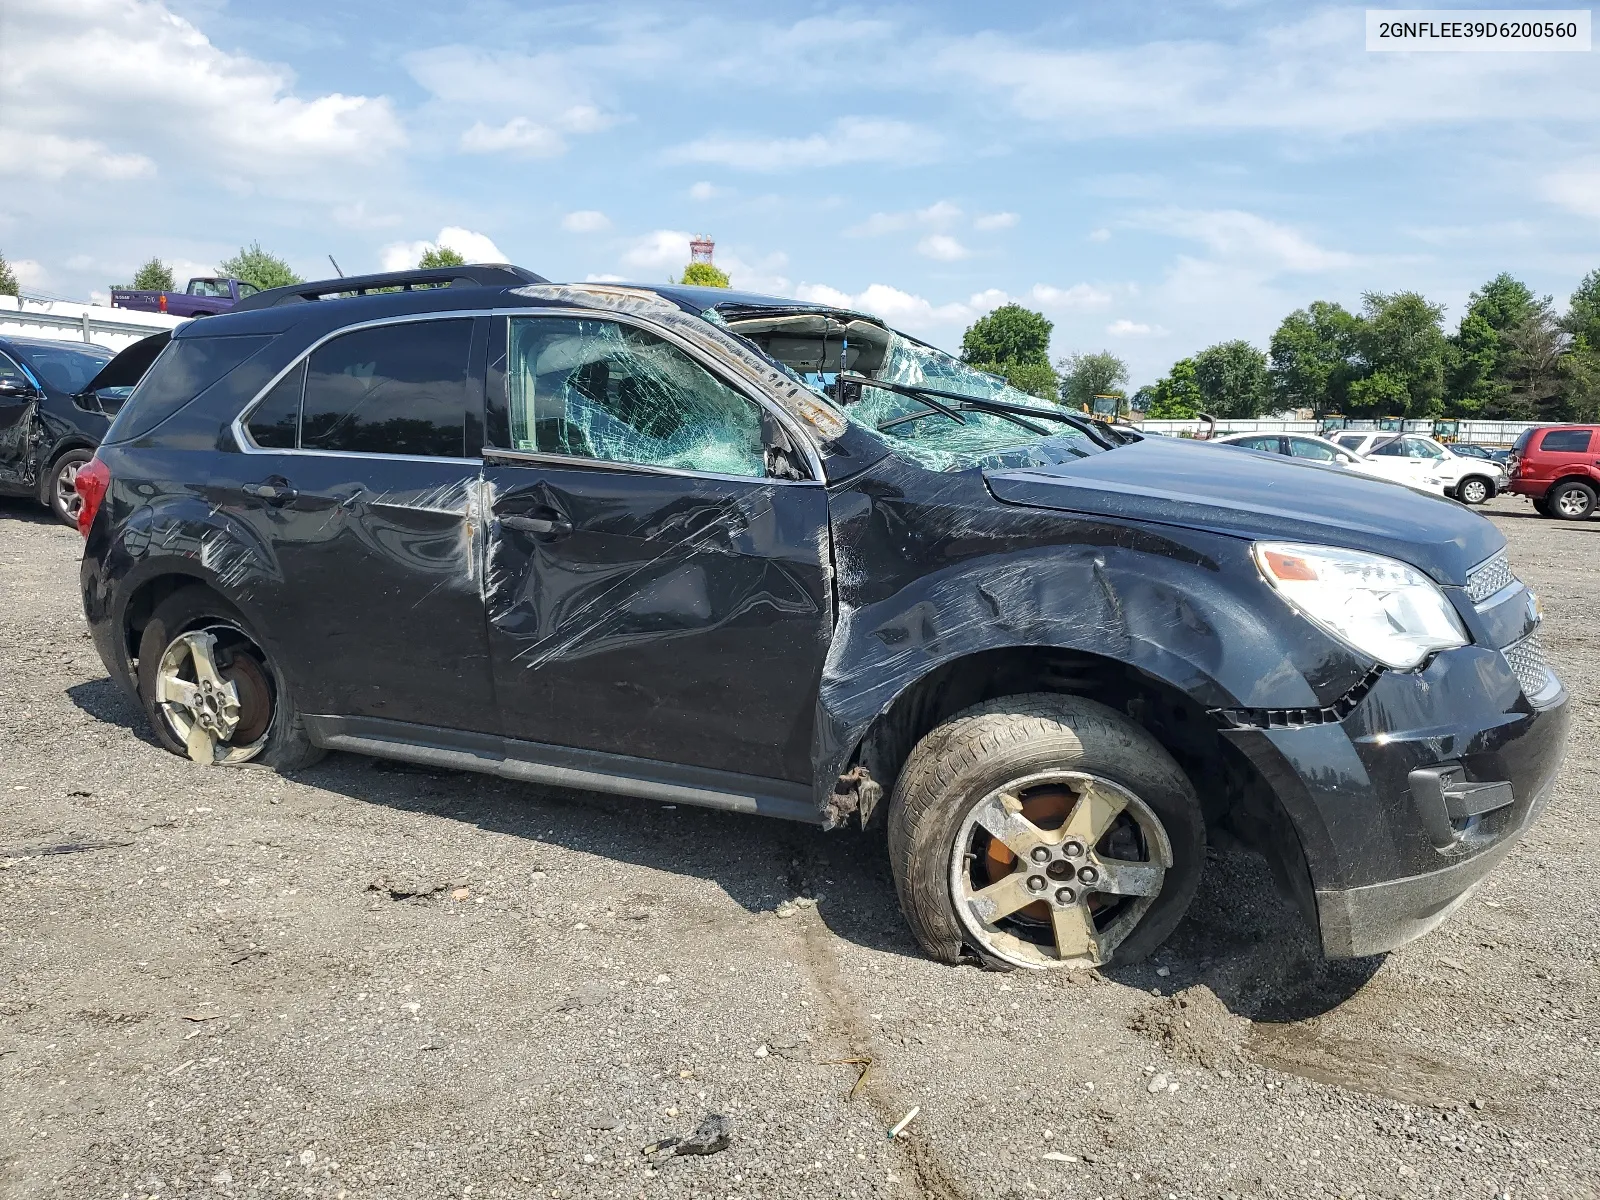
{"x":275,"y":422}
{"x":187,"y":367}
{"x":1566,"y":441}
{"x":391,"y":389}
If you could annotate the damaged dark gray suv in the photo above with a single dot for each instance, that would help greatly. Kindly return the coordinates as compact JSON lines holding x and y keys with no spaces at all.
{"x":705,"y":547}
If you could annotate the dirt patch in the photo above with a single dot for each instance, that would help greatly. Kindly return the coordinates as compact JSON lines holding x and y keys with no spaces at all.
{"x":1378,"y":1068}
{"x":1193,"y":1025}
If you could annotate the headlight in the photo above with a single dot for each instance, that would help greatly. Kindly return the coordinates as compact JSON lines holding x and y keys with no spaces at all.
{"x":1375,"y":605}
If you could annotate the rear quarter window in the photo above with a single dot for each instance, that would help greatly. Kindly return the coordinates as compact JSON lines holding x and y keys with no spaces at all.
{"x":1566,"y":441}
{"x":187,"y":367}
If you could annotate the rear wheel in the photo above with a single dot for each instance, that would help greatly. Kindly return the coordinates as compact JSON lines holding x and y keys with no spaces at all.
{"x":60,"y":486}
{"x":1571,"y":501}
{"x":1474,"y":489}
{"x":1044,"y":831}
{"x":210,"y":691}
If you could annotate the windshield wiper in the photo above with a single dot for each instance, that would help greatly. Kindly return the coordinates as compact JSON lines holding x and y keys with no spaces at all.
{"x":915,"y":394}
{"x":1000,"y":408}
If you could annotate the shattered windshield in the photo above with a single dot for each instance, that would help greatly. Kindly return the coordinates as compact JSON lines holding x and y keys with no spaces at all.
{"x":943,"y":428}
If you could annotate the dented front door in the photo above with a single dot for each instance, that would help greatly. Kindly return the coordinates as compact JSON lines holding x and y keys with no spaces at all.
{"x":650,"y":591}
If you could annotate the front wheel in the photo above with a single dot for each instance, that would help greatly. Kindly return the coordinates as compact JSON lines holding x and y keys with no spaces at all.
{"x":1571,"y":501}
{"x":210,"y":691}
{"x":1044,"y":831}
{"x":1474,"y":489}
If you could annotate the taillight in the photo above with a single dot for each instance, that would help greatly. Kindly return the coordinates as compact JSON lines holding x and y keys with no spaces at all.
{"x":94,"y":478}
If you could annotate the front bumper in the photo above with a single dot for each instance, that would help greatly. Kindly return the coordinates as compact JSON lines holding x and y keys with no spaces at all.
{"x":1379,"y":874}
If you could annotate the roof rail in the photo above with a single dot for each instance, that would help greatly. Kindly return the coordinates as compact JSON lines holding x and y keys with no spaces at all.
{"x":475,"y":275}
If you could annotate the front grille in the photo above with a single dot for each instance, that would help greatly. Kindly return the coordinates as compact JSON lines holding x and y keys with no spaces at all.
{"x":1527,"y":660}
{"x":1489,"y":577}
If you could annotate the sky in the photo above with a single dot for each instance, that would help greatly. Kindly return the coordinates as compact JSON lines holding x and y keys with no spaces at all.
{"x":1154,"y":178}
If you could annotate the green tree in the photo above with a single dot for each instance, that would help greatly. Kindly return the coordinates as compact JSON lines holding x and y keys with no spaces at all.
{"x":1479,"y":371}
{"x":8,"y":278}
{"x":154,"y":276}
{"x":1085,"y":376}
{"x":440,"y":256}
{"x":1037,"y":379}
{"x":1580,"y":368}
{"x":1142,"y":399}
{"x":1177,"y":395}
{"x":1010,"y":333}
{"x":1232,"y":378}
{"x":1314,"y":356}
{"x":704,"y":274}
{"x":254,"y":265}
{"x":1401,"y":341}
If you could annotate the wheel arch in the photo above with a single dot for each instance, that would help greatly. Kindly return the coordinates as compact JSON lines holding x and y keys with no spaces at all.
{"x":47,"y":462}
{"x":1236,"y":797}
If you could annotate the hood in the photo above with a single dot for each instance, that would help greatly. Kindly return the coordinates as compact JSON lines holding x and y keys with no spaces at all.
{"x":130,"y":364}
{"x":1248,"y":494}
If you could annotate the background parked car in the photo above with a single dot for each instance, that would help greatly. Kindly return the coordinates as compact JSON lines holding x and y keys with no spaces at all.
{"x":1496,"y":454}
{"x":1302,"y":446}
{"x":1423,"y":462}
{"x":1558,"y":467}
{"x":56,"y":400}
{"x":202,"y":298}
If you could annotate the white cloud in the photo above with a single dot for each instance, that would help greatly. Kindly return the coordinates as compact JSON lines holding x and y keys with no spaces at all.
{"x":850,"y":140}
{"x":1078,"y":296}
{"x":660,"y":250}
{"x":113,"y":89}
{"x":29,"y":273}
{"x":605,"y":278}
{"x":941,"y":214}
{"x":942,"y":247}
{"x":472,"y":246}
{"x":356,"y":216}
{"x":999,"y":220}
{"x":518,"y":136}
{"x":1100,"y":235}
{"x":1122,"y":327}
{"x":1245,"y":237}
{"x":704,"y":191}
{"x":1576,"y":189}
{"x":586,"y":221}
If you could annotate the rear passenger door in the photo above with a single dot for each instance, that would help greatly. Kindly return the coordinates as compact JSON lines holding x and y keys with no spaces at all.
{"x":1566,"y":452}
{"x":364,"y":474}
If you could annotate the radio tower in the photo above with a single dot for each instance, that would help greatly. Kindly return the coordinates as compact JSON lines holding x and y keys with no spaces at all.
{"x":701,"y":248}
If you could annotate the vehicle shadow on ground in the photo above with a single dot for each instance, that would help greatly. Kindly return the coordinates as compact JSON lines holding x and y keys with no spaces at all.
{"x":1588,"y":524}
{"x":27,"y":510}
{"x":1240,"y":938}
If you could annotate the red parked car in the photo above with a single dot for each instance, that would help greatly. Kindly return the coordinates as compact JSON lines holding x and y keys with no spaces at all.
{"x":1558,"y":467}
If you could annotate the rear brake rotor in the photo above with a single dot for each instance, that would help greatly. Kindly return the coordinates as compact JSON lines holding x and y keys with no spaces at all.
{"x":255,"y":697}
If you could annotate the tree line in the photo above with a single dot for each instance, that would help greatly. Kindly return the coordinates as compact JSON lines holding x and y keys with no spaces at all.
{"x":1511,"y":357}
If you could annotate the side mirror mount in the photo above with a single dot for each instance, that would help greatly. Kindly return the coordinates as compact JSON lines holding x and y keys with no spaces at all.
{"x":783,"y":460}
{"x":17,"y":389}
{"x":1343,"y":460}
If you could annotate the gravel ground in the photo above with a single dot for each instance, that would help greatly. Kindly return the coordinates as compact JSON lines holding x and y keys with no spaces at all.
{"x":378,"y":981}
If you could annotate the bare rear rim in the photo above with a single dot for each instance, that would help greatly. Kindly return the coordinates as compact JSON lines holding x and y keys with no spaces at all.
{"x":66,"y":487}
{"x":215,"y":694}
{"x":1080,"y":859}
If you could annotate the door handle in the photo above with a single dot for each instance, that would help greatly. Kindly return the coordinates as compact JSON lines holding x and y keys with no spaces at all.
{"x":545,"y":525}
{"x":273,"y":491}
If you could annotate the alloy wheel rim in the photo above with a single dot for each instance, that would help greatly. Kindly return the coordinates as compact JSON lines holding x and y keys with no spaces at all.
{"x":1073,"y":890}
{"x":67,"y":489}
{"x":1476,"y":492}
{"x":220,"y":711}
{"x":1573,"y":503}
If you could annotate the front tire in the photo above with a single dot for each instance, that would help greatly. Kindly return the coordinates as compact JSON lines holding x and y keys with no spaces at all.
{"x":1571,"y":501}
{"x":211,"y":693}
{"x":60,"y":486}
{"x":1044,"y":831}
{"x":1474,"y":489}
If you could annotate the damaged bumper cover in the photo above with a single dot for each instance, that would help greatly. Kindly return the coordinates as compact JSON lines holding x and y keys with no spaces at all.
{"x":1418,"y":794}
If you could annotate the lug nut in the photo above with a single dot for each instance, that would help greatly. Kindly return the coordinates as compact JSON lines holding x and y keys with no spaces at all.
{"x":1040,"y":854}
{"x":1088,"y":874}
{"x":1036,"y":883}
{"x":1073,"y":849}
{"x":1066,"y":896}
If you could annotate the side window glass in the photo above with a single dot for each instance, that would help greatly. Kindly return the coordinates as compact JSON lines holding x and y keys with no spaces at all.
{"x":1422,"y":448}
{"x":603,"y":390}
{"x":10,"y":372}
{"x":1306,"y":448}
{"x":275,"y":422}
{"x":1566,"y":441}
{"x":247,"y":289}
{"x":1392,"y":449}
{"x":391,"y":389}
